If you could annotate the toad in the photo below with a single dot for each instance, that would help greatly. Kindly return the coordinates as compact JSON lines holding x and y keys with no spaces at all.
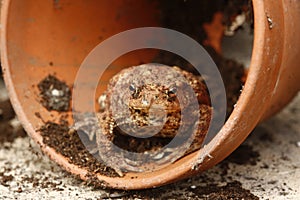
{"x":145,"y":104}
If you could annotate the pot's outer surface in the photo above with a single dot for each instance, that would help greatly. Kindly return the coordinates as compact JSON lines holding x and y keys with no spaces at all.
{"x":289,"y":74}
{"x":36,"y":33}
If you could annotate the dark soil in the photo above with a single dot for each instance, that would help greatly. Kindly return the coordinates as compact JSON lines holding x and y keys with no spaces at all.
{"x":139,"y":145}
{"x":6,"y":111}
{"x":8,"y":133}
{"x":41,"y":182}
{"x":54,"y":94}
{"x":4,"y":179}
{"x":244,"y":155}
{"x":232,"y":191}
{"x":58,"y":135}
{"x":68,"y":143}
{"x":232,"y":74}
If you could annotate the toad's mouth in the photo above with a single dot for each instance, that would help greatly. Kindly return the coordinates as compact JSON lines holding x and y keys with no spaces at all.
{"x":139,"y":145}
{"x":143,"y":110}
{"x":144,"y":124}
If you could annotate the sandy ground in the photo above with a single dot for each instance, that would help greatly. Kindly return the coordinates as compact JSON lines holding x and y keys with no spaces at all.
{"x":269,"y":168}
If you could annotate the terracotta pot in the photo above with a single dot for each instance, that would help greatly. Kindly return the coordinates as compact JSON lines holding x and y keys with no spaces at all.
{"x":38,"y":34}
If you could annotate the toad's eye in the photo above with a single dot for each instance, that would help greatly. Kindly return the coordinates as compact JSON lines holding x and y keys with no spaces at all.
{"x":172,"y":93}
{"x":132,"y":87}
{"x":172,"y":90}
{"x":135,"y":91}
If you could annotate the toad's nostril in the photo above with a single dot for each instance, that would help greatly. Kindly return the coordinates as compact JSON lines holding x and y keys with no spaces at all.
{"x":145,"y":102}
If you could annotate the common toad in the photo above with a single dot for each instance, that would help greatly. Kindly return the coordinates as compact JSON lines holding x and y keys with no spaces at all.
{"x":150,"y":100}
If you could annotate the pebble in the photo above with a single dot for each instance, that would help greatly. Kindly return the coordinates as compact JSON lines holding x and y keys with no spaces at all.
{"x":57,"y":93}
{"x":193,"y":186}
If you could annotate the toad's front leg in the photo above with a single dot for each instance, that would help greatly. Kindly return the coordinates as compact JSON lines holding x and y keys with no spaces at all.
{"x":109,"y":153}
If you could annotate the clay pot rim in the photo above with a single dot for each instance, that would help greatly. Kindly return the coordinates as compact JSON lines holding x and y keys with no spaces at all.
{"x":210,"y":154}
